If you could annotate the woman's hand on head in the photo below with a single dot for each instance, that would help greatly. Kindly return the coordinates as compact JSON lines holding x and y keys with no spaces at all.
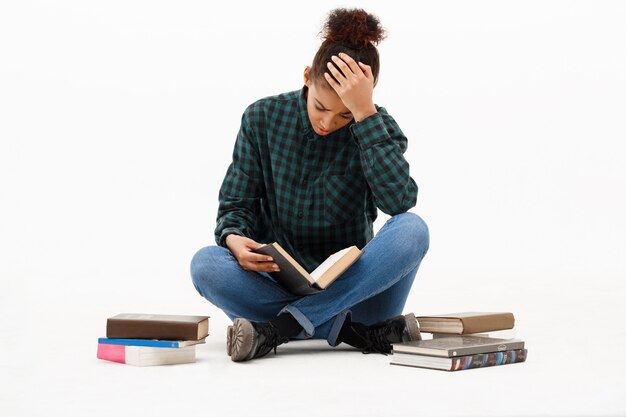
{"x":241,"y":247}
{"x":355,"y":85}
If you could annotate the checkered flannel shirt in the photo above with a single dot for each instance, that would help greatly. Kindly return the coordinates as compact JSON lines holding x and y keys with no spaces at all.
{"x":312,"y":194}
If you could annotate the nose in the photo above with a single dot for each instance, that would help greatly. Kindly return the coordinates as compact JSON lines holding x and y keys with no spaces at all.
{"x":326,"y":122}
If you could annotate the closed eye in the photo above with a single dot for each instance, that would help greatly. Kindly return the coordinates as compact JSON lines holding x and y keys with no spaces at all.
{"x":346,"y":116}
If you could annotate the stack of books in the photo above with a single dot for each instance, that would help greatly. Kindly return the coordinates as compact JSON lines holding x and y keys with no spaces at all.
{"x":459,"y":342}
{"x":152,"y":339}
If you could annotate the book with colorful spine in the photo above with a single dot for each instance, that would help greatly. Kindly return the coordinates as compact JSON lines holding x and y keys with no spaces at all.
{"x":458,"y":363}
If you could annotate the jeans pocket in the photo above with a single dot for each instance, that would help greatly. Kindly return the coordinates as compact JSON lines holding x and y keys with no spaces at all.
{"x":344,"y":197}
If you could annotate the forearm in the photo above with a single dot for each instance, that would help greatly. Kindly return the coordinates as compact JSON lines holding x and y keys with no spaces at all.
{"x":382,"y":145}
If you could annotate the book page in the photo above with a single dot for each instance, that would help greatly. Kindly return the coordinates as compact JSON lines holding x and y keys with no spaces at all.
{"x":329,"y":262}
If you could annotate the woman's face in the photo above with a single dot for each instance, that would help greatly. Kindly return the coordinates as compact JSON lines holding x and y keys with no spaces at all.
{"x":327,"y":113}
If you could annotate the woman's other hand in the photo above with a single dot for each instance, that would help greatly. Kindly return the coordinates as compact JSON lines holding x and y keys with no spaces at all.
{"x":355,"y":87}
{"x":241,"y":247}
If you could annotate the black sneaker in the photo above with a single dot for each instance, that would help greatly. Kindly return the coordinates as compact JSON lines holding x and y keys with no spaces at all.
{"x":251,"y":340}
{"x":379,"y":337}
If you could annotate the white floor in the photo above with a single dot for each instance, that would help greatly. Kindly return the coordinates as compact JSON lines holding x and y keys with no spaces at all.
{"x":575,"y":367}
{"x":117,"y":125}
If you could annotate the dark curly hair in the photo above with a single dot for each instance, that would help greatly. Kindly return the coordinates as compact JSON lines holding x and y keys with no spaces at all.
{"x":351,"y":31}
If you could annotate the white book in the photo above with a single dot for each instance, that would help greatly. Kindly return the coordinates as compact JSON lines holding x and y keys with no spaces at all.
{"x":457,"y":346}
{"x":146,"y":356}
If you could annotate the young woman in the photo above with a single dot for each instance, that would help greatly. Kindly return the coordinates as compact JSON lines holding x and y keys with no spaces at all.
{"x":310,"y":169}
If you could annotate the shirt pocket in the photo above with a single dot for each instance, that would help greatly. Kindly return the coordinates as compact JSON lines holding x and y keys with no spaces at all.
{"x":344,"y":197}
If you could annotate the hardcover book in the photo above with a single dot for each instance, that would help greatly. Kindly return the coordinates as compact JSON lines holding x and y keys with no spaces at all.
{"x":297,"y":280}
{"x":150,"y":342}
{"x":146,"y":356}
{"x":458,"y":363}
{"x":157,"y":326}
{"x":457,"y":346}
{"x":465,"y":323}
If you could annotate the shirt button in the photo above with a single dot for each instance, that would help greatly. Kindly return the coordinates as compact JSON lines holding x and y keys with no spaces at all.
{"x":300,"y":215}
{"x":305,"y":182}
{"x":312,"y":145}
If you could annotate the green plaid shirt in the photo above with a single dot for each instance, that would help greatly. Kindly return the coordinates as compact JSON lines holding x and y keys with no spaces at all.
{"x":313,"y":195}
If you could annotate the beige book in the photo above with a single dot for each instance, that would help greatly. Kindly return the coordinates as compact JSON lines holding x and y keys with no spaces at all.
{"x":466,"y":322}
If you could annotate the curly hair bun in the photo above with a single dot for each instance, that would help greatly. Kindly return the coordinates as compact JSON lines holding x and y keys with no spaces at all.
{"x":353,"y":27}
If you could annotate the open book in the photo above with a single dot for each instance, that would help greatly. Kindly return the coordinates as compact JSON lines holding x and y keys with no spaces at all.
{"x":297,"y":280}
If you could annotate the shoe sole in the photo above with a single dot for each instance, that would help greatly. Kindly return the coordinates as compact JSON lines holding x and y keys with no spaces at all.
{"x":241,"y":340}
{"x":229,"y":340}
{"x":412,"y":327}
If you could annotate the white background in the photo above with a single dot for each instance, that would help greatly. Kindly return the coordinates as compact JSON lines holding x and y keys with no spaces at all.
{"x":117,"y":122}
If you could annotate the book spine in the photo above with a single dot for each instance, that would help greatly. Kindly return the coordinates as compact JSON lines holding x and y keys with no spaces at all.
{"x":150,"y":329}
{"x":480,"y":324}
{"x":483,"y":360}
{"x":291,"y":275}
{"x":149,"y":356}
{"x":113,"y":353}
{"x":140,"y":342}
{"x":506,"y":345}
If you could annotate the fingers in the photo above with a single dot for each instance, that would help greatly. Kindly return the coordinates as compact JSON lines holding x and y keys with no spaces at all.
{"x":347,"y":65}
{"x":340,"y":69}
{"x":242,"y":248}
{"x":261,"y":266}
{"x":258,"y":262}
{"x":345,"y":69}
{"x":339,"y":76}
{"x":334,"y":84}
{"x":345,"y":61}
{"x":257,"y":257}
{"x":367,"y":70}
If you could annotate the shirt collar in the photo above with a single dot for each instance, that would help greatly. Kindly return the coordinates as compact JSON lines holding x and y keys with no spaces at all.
{"x":304,"y":114}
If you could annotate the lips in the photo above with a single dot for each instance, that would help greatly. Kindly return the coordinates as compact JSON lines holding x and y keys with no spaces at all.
{"x":322,"y":131}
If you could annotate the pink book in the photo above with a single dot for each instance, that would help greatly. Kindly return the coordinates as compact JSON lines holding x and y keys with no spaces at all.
{"x":114,"y":353}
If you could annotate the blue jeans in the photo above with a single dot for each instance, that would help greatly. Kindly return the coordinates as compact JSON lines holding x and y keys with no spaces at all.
{"x":373,"y":289}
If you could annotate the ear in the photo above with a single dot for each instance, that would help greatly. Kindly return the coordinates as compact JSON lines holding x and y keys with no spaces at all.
{"x":307,"y":77}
